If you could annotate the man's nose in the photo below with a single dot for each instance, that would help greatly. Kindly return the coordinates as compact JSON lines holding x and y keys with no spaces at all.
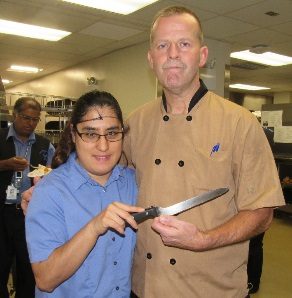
{"x":173,"y":51}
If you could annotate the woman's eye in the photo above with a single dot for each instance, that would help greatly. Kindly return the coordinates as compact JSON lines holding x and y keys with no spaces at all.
{"x":90,"y":134}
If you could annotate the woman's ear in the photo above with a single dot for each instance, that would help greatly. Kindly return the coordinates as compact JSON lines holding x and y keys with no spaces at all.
{"x":73,"y":133}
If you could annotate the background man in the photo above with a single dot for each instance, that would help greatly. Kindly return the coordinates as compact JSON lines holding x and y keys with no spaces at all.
{"x":20,"y":147}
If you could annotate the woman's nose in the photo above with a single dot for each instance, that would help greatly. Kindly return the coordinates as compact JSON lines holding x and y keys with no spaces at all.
{"x":102,"y":143}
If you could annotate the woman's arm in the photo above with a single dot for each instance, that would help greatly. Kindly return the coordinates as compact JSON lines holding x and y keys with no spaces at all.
{"x":65,"y":260}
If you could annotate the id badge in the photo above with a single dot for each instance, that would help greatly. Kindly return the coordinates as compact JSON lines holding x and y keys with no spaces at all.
{"x":11,"y":192}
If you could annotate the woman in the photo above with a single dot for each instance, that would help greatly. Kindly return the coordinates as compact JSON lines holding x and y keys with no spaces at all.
{"x":79,"y":229}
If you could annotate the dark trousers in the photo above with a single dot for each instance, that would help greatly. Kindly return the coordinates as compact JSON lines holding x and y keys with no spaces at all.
{"x":13,"y":245}
{"x":255,"y":262}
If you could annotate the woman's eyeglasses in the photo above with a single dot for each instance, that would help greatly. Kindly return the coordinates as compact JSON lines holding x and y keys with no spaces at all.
{"x":92,"y":137}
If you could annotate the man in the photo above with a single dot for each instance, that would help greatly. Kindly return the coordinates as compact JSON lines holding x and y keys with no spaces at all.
{"x":189,"y":142}
{"x":20,"y":148}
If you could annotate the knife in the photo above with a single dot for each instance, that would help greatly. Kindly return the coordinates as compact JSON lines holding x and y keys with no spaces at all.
{"x":180,"y":207}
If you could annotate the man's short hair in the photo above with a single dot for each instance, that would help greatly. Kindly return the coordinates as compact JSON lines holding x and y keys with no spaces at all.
{"x":26,"y":102}
{"x":175,"y":10}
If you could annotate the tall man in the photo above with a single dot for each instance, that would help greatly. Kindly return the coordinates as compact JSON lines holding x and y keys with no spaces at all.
{"x":20,"y":147}
{"x":184,"y":144}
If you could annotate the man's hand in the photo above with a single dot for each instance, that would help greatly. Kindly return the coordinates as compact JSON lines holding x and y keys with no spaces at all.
{"x":181,"y":234}
{"x":16,"y":163}
{"x":26,"y":195}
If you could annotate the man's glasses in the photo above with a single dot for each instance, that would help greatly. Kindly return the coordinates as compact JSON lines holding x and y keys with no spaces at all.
{"x":28,"y":118}
{"x":93,"y":137}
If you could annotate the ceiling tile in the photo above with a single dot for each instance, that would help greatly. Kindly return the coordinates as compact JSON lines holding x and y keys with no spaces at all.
{"x":255,"y":14}
{"x":109,"y":31}
{"x":221,"y":27}
{"x":262,"y":36}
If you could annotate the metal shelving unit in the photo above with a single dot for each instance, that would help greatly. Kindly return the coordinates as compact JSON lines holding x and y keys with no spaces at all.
{"x":56,"y":111}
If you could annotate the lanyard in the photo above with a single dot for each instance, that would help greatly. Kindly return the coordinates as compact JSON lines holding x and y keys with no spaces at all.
{"x":18,"y":175}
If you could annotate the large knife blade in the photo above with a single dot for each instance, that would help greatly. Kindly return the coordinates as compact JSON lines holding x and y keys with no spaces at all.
{"x":180,"y":207}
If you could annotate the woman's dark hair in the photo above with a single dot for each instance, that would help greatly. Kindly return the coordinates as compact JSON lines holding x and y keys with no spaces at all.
{"x":83,"y":104}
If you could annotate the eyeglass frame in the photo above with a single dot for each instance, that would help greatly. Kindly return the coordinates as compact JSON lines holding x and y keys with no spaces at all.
{"x":28,"y":118}
{"x":100,"y":135}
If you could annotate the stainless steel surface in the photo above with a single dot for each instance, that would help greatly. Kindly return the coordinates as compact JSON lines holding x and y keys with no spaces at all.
{"x":192,"y":202}
{"x":153,"y":211}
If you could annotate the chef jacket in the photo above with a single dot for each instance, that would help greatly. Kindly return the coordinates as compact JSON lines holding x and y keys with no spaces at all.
{"x":217,"y":144}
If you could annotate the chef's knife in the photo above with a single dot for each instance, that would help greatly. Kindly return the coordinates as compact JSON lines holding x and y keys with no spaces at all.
{"x":153,"y":211}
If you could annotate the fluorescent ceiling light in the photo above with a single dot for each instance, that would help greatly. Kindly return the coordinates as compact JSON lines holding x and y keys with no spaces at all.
{"x":117,"y":6}
{"x":27,"y":69}
{"x":247,"y":87}
{"x":21,"y":29}
{"x":267,"y":58}
{"x":4,"y":81}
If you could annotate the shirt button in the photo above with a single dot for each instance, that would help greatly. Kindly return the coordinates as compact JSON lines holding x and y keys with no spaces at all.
{"x":181,"y":163}
{"x":149,"y":255}
{"x":189,"y":118}
{"x":157,"y":161}
{"x":114,"y":239}
{"x":165,"y":118}
{"x":115,"y":262}
{"x":117,"y":288}
{"x":172,"y":261}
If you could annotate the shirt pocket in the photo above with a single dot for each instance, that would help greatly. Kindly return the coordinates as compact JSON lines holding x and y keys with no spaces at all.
{"x":213,"y":168}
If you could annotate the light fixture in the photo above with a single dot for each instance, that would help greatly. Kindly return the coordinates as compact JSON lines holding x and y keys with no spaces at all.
{"x":248,"y":87}
{"x":117,"y":6}
{"x":32,"y":31}
{"x":5,"y":82}
{"x":27,"y":69}
{"x":266,"y":58}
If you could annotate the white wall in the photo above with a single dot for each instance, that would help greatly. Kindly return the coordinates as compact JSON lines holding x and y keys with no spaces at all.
{"x":124,"y":73}
{"x":254,"y":102}
{"x":283,"y":97}
{"x":214,"y":78}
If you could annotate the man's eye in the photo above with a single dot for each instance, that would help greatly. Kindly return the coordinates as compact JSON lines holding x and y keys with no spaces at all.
{"x":184,"y":44}
{"x":162,"y":46}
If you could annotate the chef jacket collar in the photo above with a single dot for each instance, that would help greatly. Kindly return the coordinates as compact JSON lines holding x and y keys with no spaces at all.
{"x":195,"y":99}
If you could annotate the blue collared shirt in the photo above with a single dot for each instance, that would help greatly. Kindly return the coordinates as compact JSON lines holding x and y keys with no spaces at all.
{"x":23,"y":149}
{"x":64,"y":202}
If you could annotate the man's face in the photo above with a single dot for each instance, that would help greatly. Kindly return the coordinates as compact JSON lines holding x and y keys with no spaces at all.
{"x":176,"y":52}
{"x":26,"y":121}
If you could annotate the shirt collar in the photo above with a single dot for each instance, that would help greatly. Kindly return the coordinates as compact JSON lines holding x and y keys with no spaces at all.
{"x":195,"y":99}
{"x":12,"y":134}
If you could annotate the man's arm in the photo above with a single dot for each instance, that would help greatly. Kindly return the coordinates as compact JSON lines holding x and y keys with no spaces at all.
{"x":241,"y":227}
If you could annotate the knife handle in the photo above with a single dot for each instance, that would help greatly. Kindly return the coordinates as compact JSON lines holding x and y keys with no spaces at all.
{"x":150,"y":212}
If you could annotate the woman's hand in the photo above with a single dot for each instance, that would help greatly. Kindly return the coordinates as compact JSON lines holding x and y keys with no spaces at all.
{"x":116,"y":216}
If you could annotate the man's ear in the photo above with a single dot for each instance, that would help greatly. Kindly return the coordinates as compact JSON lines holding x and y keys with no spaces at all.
{"x":150,"y":60}
{"x":203,"y":56}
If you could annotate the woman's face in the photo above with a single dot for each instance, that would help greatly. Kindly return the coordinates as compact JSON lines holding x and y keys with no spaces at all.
{"x":100,"y":157}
